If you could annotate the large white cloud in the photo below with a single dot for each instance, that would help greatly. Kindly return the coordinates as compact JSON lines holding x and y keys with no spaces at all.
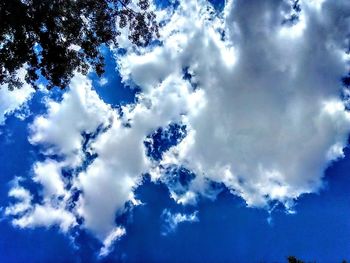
{"x":271,"y":117}
{"x":60,"y":130}
{"x":107,"y":184}
{"x":262,"y":110}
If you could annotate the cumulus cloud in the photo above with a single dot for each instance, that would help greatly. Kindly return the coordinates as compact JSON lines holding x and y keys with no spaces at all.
{"x":259,"y":99}
{"x":122,"y":158}
{"x":23,"y":196}
{"x":108,"y":182}
{"x":28,"y":214}
{"x":60,"y":133}
{"x":270,"y":117}
{"x":60,"y":130}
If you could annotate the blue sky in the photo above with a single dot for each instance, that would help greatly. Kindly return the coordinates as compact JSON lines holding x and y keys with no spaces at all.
{"x":207,"y":146}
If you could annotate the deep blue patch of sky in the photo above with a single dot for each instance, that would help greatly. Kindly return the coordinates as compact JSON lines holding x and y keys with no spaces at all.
{"x":228,"y":231}
{"x":113,"y":92}
{"x":218,"y":4}
{"x":163,"y":138}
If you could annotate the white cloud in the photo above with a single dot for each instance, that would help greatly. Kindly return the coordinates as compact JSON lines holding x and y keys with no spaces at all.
{"x":61,"y":128}
{"x":26,"y":214}
{"x":24,"y":198}
{"x":103,"y":81}
{"x":46,"y":216}
{"x":60,"y":132}
{"x":115,"y":235}
{"x":172,"y":220}
{"x":109,"y":181}
{"x":14,"y":100}
{"x":263,"y":126}
{"x":121,"y":157}
{"x":48,"y":174}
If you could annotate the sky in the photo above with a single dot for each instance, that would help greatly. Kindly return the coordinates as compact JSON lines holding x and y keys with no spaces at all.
{"x":225,"y":140}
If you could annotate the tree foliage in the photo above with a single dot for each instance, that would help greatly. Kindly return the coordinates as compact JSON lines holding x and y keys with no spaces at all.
{"x":53,"y":38}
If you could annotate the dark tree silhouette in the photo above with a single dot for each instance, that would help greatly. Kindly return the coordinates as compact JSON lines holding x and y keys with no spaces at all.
{"x":53,"y":38}
{"x":292,"y":259}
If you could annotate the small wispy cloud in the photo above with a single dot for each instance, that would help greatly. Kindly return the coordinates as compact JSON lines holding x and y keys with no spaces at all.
{"x":115,"y":235}
{"x":172,"y":220}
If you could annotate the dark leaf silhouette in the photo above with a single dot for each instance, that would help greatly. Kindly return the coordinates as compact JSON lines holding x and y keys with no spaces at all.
{"x":53,"y":38}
